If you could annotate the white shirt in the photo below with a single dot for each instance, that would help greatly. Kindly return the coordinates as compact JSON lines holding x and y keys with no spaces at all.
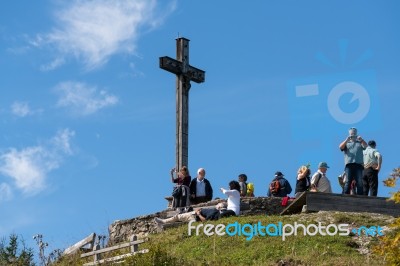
{"x":233,"y":200}
{"x":323,"y":184}
{"x":371,"y":157}
{"x":200,"y":188}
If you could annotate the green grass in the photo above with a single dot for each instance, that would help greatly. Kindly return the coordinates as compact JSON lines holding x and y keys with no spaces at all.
{"x":175,"y":247}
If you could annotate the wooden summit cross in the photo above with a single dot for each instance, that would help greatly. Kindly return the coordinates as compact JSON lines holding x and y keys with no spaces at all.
{"x":184,"y":74}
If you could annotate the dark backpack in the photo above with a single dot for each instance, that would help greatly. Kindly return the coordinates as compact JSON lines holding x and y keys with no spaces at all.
{"x":275,"y":187}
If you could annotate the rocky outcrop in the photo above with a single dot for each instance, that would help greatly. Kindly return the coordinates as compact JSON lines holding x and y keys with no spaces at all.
{"x":261,"y":205}
{"x":119,"y":231}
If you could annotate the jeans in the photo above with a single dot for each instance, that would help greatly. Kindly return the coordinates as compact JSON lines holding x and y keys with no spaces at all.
{"x":370,"y":181}
{"x":354,"y":171}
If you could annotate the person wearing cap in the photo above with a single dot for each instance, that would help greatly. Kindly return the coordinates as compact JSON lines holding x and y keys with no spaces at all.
{"x":372,"y":166}
{"x":319,"y":181}
{"x":353,"y":147}
{"x":284,"y":186}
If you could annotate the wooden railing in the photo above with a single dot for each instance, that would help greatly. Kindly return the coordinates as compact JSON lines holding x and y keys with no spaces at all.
{"x":97,"y":252}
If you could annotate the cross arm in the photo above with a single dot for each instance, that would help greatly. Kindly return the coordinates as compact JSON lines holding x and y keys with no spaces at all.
{"x":174,"y":66}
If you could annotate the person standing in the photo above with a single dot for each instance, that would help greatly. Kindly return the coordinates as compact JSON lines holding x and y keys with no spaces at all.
{"x":372,"y":166}
{"x":200,"y":188}
{"x":353,"y":147}
{"x":319,"y":181}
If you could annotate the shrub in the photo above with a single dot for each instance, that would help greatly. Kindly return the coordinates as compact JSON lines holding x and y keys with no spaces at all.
{"x":389,"y":246}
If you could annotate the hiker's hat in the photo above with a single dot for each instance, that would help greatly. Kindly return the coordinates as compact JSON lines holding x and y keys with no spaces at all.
{"x":323,"y":165}
{"x":279,"y":174}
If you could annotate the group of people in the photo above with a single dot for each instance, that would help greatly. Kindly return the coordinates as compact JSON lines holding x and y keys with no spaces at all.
{"x":230,"y":208}
{"x":318,"y":182}
{"x":190,"y":191}
{"x":362,"y":165}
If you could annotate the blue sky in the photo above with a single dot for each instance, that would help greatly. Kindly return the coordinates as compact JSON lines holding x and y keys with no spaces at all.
{"x":88,"y":117}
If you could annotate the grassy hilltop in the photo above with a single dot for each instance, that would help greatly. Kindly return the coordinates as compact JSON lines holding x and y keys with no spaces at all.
{"x":175,"y":247}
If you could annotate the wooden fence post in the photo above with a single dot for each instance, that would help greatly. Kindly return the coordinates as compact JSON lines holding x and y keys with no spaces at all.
{"x":135,"y":247}
{"x":96,"y":257}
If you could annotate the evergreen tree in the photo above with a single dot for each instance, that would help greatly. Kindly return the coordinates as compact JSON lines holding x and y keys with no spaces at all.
{"x":15,"y":253}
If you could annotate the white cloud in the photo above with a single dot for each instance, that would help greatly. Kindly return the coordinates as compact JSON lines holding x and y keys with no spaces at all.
{"x":21,"y":109}
{"x":19,"y":50}
{"x":82,"y":99}
{"x":53,"y":64}
{"x":94,"y":30}
{"x":29,"y":167}
{"x":5,"y":192}
{"x":62,"y":141}
{"x":134,"y":71}
{"x":26,"y":167}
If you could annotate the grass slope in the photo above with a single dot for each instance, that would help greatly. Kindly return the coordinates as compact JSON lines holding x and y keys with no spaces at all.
{"x":175,"y":247}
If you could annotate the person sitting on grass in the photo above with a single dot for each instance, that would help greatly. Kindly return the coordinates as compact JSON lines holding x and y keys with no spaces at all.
{"x":233,"y":198}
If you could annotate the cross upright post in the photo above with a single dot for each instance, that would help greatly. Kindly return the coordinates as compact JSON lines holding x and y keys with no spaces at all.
{"x":184,"y":74}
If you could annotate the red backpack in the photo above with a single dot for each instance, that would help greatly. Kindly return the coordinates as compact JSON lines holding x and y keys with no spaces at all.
{"x":275,"y":187}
